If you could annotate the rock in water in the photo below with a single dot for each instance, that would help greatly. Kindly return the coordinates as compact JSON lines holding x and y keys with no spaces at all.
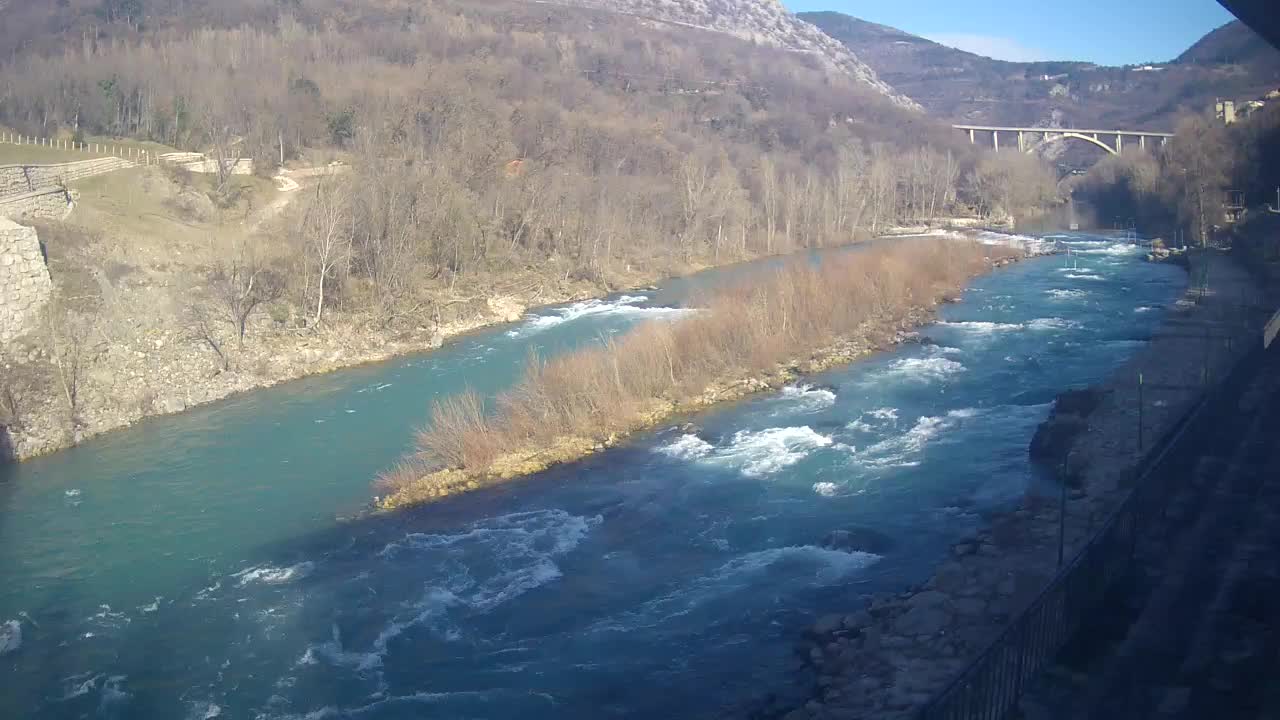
{"x":1055,"y":437}
{"x":10,"y":637}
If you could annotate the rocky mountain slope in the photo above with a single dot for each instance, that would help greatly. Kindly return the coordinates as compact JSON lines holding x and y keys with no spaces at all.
{"x":1231,"y":62}
{"x":1232,"y":44}
{"x":765,"y":22}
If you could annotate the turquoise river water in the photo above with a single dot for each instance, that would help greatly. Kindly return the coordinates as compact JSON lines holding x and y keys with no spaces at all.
{"x":217,"y":563}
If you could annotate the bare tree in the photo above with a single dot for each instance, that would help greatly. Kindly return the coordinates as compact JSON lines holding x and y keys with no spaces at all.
{"x":68,"y":335}
{"x":695,"y":179}
{"x":1198,"y":162}
{"x":13,"y":388}
{"x":326,"y":235}
{"x":240,"y":284}
{"x":204,"y":332}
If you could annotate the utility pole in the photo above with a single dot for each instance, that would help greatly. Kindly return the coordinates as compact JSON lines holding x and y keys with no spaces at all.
{"x":1141,"y":442}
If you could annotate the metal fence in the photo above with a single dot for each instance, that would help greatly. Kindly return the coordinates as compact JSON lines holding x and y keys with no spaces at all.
{"x":991,"y":686}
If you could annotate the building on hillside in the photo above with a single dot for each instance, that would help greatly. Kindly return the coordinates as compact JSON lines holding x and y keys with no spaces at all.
{"x":1233,"y":208}
{"x":1225,"y":111}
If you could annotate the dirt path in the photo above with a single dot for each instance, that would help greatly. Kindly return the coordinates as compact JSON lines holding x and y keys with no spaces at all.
{"x":288,"y":186}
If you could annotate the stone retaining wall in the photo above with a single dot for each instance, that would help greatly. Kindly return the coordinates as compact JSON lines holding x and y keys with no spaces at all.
{"x":25,"y":286}
{"x":53,"y":203}
{"x":200,"y":163}
{"x":21,"y":179}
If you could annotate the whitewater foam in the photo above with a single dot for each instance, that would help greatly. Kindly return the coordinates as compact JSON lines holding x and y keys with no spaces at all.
{"x":521,"y":546}
{"x":832,"y":564}
{"x":901,"y":450}
{"x":270,"y":575}
{"x":105,"y":618}
{"x":806,"y":399}
{"x":799,"y":565}
{"x":1067,"y":294}
{"x":924,"y":369}
{"x":757,"y":453}
{"x":982,"y":327}
{"x":381,"y":700}
{"x":1083,"y":276}
{"x":627,"y":305}
{"x":878,"y":419}
{"x":202,"y":710}
{"x":686,"y":447}
{"x":1112,"y":249}
{"x":1054,"y":323}
{"x":1026,"y":243}
{"x":826,"y":489}
{"x":77,"y":685}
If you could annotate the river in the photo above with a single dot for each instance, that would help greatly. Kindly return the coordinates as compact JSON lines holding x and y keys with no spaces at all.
{"x":216,"y":563}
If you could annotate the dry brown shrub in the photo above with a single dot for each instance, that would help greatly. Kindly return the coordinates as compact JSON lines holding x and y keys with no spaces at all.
{"x":749,"y":327}
{"x":460,"y":434}
{"x":403,"y":475}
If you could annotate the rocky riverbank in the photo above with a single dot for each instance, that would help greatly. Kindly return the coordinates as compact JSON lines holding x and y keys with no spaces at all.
{"x":888,"y":657}
{"x":166,"y":370}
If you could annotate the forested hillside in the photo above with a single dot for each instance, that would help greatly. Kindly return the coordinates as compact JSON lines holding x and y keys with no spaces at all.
{"x":533,"y":129}
{"x":1230,"y":62}
{"x":492,"y":155}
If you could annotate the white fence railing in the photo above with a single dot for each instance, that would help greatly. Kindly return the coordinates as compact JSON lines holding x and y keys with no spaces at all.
{"x":191,"y":161}
{"x":138,"y":155}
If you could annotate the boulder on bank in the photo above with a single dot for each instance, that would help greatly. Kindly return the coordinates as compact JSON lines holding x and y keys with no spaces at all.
{"x":1055,"y":437}
{"x":10,"y":636}
{"x":507,"y":309}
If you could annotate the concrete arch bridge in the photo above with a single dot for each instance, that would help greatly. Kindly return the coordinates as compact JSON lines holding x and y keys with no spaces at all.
{"x":1032,"y":139}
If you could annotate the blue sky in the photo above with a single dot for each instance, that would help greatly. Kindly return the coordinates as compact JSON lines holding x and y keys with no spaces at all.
{"x":1109,"y":32}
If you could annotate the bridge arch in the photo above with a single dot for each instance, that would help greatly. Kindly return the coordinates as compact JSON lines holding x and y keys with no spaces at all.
{"x":1074,"y":136}
{"x":1051,"y":134}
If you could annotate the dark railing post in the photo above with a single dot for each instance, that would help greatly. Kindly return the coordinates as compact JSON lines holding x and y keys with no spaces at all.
{"x":1208,"y":350}
{"x":1021,"y":644}
{"x":1141,"y":407}
{"x":1062,"y":514}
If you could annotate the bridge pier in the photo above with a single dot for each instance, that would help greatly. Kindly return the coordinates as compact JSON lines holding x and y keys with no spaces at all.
{"x":1022,"y":142}
{"x":995,"y":139}
{"x":971,"y":140}
{"x":1119,"y":144}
